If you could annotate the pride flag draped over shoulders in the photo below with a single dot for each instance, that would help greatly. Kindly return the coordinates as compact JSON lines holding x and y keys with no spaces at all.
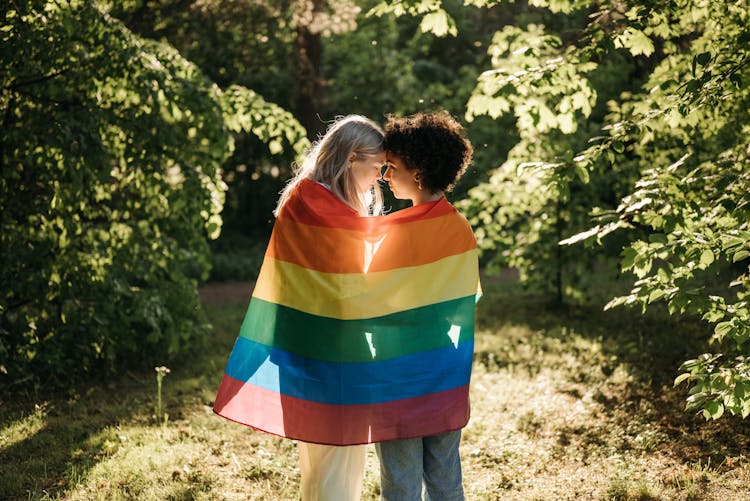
{"x":360,"y":329}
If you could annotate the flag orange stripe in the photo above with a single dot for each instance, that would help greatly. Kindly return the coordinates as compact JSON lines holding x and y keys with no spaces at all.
{"x":351,"y":251}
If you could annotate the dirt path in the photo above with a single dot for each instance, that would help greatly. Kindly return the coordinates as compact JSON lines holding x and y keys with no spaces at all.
{"x":226,"y":292}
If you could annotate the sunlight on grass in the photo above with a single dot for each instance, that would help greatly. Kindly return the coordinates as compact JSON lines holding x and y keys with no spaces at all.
{"x":198,"y":457}
{"x":566,"y":405}
{"x":23,"y":427}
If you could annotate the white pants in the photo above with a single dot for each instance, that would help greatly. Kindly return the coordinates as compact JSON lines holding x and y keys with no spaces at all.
{"x":331,"y":473}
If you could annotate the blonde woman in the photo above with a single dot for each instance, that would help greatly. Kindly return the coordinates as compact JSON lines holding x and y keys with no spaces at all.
{"x":347,"y":160}
{"x":338,"y":179}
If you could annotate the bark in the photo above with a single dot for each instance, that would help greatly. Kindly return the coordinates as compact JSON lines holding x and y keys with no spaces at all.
{"x":309,"y":94}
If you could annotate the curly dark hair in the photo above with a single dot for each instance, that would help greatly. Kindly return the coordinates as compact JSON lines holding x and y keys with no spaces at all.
{"x":433,"y":144}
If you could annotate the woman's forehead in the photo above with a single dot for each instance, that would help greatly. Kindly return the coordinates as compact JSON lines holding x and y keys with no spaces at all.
{"x":393,"y":158}
{"x":375,"y":156}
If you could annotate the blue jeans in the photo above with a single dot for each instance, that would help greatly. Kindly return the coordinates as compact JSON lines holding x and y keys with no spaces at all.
{"x":404,"y":464}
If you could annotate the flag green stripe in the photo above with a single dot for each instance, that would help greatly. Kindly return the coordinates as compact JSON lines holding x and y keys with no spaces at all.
{"x":362,"y":340}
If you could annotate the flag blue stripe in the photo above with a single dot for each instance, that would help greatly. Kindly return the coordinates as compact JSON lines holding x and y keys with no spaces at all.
{"x":351,"y":383}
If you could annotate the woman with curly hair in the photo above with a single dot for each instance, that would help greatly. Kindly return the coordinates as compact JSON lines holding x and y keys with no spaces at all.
{"x":427,"y":154}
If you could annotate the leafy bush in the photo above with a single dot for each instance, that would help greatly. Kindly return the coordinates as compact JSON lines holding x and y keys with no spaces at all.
{"x":110,"y":184}
{"x":236,"y":257}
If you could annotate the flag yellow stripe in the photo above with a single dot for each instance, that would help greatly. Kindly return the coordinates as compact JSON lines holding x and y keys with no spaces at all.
{"x":365,"y":295}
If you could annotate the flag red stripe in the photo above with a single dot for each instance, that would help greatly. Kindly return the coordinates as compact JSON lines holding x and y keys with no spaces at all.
{"x":342,"y":424}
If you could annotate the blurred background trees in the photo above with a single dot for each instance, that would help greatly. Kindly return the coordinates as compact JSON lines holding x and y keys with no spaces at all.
{"x":133,"y":132}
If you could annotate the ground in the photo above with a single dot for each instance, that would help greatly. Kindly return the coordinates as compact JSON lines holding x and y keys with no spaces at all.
{"x":568,"y":403}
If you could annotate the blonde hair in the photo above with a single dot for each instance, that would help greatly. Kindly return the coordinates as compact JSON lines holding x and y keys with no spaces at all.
{"x":327,"y":162}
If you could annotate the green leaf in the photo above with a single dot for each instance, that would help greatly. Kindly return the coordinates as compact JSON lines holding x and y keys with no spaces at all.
{"x":713,"y":410}
{"x":682,"y":377}
{"x":658,"y":238}
{"x":739,"y":390}
{"x":722,"y":329}
{"x":746,"y":408}
{"x":707,"y":257}
{"x":663,"y":274}
{"x":580,"y":236}
{"x":739,"y":256}
{"x":616,"y":302}
{"x":642,"y":266}
{"x":618,"y":146}
{"x":730,"y":241}
{"x":439,"y":23}
{"x":628,"y":258}
{"x":696,"y":400}
{"x":583,"y":173}
{"x":655,"y":295}
{"x":636,"y":41}
{"x":703,"y":59}
{"x":713,"y":316}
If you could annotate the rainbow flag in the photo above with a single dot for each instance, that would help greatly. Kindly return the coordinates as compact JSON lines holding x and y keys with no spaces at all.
{"x":360,"y":329}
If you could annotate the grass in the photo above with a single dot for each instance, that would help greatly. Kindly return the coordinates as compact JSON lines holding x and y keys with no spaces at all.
{"x":567,"y":404}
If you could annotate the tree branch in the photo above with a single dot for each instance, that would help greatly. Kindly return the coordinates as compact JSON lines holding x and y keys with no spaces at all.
{"x":34,"y":81}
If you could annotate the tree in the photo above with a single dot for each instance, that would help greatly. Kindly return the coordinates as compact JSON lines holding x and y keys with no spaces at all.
{"x":110,"y":182}
{"x":368,"y":65}
{"x":678,"y":140}
{"x":275,"y":48}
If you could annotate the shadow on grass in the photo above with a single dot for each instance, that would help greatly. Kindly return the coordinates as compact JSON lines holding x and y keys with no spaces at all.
{"x":49,"y":442}
{"x":61,"y":436}
{"x":653,"y":342}
{"x":647,"y":348}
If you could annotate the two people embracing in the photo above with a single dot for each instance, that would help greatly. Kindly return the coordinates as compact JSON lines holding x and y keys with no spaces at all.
{"x":361,"y":325}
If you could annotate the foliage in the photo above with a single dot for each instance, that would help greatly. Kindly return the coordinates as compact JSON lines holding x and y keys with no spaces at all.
{"x":529,"y":204}
{"x":388,"y":65}
{"x":111,"y":151}
{"x":236,"y":257}
{"x":618,"y":129}
{"x":247,"y":48}
{"x":435,"y":19}
{"x":371,"y":65}
{"x":676,"y":143}
{"x":687,"y":130}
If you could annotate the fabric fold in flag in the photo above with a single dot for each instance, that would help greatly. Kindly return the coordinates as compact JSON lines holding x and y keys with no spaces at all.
{"x":360,"y":329}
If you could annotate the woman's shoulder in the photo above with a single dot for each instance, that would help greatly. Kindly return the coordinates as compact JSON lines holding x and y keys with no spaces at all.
{"x":313,"y":204}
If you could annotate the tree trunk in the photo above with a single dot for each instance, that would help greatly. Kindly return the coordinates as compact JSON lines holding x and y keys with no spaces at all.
{"x":558,"y":252}
{"x":308,"y":48}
